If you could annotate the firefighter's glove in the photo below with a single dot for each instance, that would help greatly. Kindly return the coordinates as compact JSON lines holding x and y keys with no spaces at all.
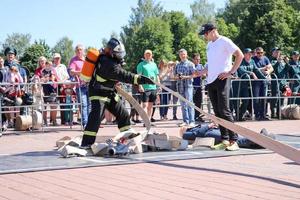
{"x":145,"y":80}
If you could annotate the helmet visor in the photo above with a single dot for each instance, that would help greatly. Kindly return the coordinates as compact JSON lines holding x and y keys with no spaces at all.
{"x":119,"y":51}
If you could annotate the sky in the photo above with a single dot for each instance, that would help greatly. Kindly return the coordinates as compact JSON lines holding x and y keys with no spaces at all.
{"x":84,"y":21}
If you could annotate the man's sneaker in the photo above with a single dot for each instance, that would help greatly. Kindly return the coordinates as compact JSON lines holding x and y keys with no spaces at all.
{"x":182,"y":124}
{"x":192,"y":125}
{"x":233,"y":146}
{"x":221,"y":146}
{"x":267,"y":134}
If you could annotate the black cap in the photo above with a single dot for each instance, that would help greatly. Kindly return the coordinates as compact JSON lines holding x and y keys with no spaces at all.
{"x":10,"y":50}
{"x":295,"y":53}
{"x":206,"y":27}
{"x":248,"y":50}
{"x":276,"y":49}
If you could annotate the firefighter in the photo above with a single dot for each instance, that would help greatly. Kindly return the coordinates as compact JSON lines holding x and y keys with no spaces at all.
{"x":102,"y":93}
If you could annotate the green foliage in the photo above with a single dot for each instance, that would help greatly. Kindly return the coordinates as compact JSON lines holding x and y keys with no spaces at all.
{"x":65,"y":47}
{"x":265,"y":23}
{"x":31,"y":55}
{"x":249,"y":23}
{"x":42,"y":42}
{"x":155,"y":35}
{"x":18,"y":41}
{"x":228,"y":30}
{"x":202,"y":12}
{"x":144,"y":10}
{"x":234,"y":11}
{"x":295,"y":4}
{"x":179,"y":26}
{"x":192,"y":43}
{"x":128,"y":37}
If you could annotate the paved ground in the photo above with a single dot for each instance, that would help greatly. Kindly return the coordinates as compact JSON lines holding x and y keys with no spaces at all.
{"x":263,"y":176}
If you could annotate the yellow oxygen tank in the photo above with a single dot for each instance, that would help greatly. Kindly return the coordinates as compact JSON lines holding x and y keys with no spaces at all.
{"x":89,"y":64}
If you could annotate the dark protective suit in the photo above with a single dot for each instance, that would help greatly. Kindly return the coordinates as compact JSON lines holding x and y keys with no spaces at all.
{"x":102,"y":94}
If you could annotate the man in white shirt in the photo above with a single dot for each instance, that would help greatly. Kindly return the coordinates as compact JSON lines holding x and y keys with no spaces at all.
{"x":219,"y":71}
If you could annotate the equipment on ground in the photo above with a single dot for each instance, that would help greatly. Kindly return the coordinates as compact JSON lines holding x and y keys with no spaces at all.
{"x":291,"y":111}
{"x":23,"y":122}
{"x":276,"y":146}
{"x":37,"y":119}
{"x":117,"y":149}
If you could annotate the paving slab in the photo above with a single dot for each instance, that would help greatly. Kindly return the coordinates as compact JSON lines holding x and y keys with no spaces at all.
{"x":173,"y":175}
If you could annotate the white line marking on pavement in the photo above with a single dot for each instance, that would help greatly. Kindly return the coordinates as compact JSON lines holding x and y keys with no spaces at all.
{"x":289,"y":142}
{"x":140,"y":158}
{"x":94,"y":160}
{"x":168,"y":156}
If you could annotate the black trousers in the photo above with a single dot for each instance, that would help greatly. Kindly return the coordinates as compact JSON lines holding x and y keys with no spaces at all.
{"x":198,"y":100}
{"x":114,"y":106}
{"x":218,"y":92}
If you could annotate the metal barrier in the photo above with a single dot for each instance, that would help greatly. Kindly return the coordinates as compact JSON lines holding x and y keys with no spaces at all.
{"x":278,"y":97}
{"x":39,"y":105}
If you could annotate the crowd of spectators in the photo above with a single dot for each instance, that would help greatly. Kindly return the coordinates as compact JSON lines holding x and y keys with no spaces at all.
{"x":258,"y":89}
{"x":56,"y":87}
{"x":268,"y":80}
{"x":257,"y":78}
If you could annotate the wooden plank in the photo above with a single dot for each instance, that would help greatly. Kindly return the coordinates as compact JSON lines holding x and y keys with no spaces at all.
{"x":136,"y":105}
{"x":273,"y":145}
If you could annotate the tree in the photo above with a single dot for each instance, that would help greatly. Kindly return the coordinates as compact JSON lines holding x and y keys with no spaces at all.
{"x":234,"y":11}
{"x":47,"y":49}
{"x":179,"y":26}
{"x":65,"y":48}
{"x":228,"y":30}
{"x":144,"y":10}
{"x":265,"y":23}
{"x":202,"y":12}
{"x":295,"y":4}
{"x":18,"y":41}
{"x":192,"y":43}
{"x":155,"y":34}
{"x":31,"y":55}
